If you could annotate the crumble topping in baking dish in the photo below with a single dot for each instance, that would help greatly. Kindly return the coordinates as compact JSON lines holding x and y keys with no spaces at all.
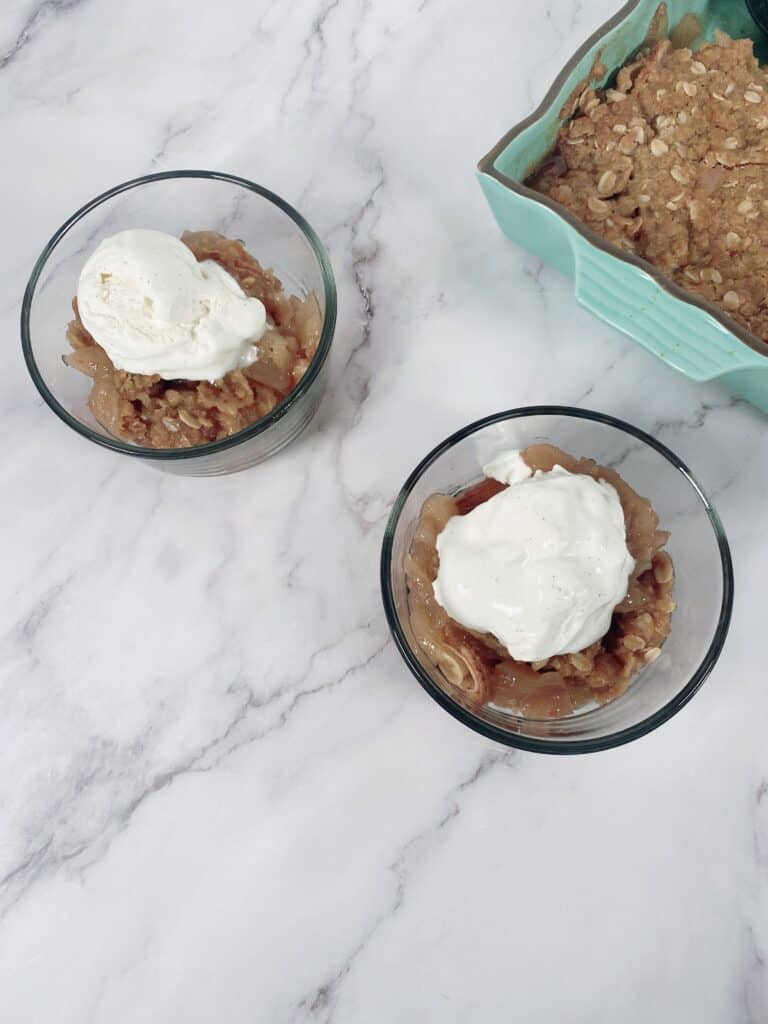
{"x":672,"y":165}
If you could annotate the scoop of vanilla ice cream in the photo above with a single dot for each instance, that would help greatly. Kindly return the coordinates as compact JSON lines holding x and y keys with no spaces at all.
{"x":541,"y":566}
{"x":154,"y":308}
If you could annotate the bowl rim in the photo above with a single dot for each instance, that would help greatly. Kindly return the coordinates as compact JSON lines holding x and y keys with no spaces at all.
{"x":213,"y":447}
{"x":486,"y":165}
{"x":530,"y":743}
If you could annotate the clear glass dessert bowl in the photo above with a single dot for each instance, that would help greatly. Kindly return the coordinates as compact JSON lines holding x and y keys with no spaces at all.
{"x":698,"y":546}
{"x":176,"y":201}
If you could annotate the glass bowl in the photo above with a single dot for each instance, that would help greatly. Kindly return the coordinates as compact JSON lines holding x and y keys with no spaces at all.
{"x":175,"y":201}
{"x":698,"y":546}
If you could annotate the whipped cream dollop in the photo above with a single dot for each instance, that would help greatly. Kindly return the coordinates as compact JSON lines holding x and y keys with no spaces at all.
{"x":541,"y":565}
{"x":154,"y":308}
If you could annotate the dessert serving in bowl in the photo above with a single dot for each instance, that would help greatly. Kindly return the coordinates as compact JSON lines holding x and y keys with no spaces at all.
{"x":184,"y":318}
{"x":556,"y":579}
{"x":644,"y":176}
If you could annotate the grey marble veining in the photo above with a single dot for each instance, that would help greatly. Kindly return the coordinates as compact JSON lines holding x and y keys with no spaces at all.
{"x":222,"y":797}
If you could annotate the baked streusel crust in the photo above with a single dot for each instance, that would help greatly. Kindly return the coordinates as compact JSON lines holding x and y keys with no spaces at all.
{"x":672,"y":164}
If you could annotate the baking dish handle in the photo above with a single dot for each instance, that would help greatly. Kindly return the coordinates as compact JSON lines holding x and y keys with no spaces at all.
{"x":682,"y":335}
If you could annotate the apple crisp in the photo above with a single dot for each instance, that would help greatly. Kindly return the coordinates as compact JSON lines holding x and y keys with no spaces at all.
{"x":157,"y":413}
{"x":672,"y":165}
{"x":481,"y":670}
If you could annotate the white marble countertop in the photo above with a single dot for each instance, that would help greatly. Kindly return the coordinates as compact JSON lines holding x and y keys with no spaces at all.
{"x":222,"y":796}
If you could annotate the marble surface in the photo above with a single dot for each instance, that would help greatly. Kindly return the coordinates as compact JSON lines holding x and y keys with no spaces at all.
{"x":222,"y":796}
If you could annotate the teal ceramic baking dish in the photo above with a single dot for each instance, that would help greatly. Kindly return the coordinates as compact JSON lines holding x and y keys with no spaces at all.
{"x":688,"y":333}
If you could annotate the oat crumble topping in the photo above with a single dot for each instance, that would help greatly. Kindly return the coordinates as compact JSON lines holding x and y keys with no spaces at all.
{"x":672,"y":165}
